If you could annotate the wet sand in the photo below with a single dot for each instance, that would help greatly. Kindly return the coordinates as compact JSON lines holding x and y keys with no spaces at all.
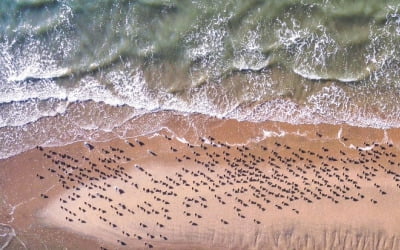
{"x":204,"y":183}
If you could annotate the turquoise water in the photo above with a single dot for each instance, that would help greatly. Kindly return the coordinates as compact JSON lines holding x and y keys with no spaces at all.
{"x":78,"y":66}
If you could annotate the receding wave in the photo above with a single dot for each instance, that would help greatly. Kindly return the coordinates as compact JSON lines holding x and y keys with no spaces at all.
{"x":314,"y":76}
{"x":27,"y":76}
{"x":290,"y":61}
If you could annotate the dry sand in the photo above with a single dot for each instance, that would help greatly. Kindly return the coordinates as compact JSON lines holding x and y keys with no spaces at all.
{"x":240,"y":185}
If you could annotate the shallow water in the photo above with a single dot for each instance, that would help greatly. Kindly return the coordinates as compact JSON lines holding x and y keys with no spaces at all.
{"x":291,"y":61}
{"x":6,"y":235}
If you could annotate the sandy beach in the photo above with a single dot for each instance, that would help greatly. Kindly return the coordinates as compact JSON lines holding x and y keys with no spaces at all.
{"x":239,"y":185}
{"x":189,"y":125}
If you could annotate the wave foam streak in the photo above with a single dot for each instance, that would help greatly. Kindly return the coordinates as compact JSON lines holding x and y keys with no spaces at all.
{"x":64,"y":69}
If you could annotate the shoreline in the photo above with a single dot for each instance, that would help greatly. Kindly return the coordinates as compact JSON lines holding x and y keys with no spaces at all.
{"x":164,"y":154}
{"x":69,"y":127}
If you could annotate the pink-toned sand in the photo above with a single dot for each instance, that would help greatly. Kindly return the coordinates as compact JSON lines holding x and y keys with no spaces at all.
{"x":240,"y":185}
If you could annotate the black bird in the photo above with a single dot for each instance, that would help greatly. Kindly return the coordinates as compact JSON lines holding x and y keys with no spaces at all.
{"x":121,"y":242}
{"x":90,"y":146}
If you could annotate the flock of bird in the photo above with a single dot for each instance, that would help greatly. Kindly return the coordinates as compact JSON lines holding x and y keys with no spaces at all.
{"x":108,"y":184}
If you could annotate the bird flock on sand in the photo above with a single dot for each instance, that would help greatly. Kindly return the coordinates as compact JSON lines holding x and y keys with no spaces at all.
{"x":269,"y":177}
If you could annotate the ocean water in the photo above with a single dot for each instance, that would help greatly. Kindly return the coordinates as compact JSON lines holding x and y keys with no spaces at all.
{"x":75,"y":69}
